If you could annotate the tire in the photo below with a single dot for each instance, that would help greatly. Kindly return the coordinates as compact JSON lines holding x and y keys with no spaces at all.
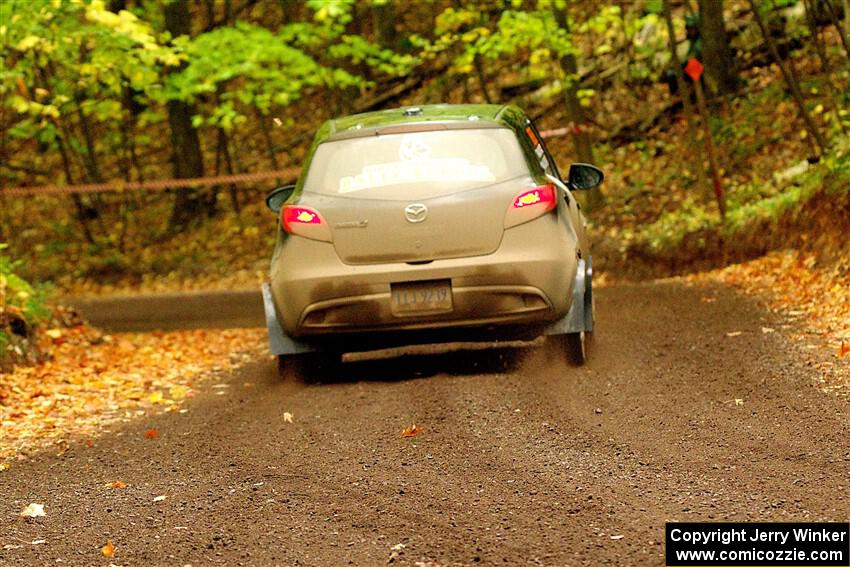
{"x":572,"y":346}
{"x":310,"y":366}
{"x":576,"y":348}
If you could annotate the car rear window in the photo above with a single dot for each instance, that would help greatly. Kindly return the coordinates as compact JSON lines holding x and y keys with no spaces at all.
{"x":415,"y":165}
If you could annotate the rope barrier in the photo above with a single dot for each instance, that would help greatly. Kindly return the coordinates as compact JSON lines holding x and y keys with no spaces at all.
{"x":154,"y":185}
{"x":288,"y":174}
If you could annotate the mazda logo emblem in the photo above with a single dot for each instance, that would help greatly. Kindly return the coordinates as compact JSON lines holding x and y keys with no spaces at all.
{"x":417,"y":212}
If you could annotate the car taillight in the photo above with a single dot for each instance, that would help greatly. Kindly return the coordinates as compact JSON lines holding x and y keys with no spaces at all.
{"x":530,"y":204}
{"x":304,"y":221}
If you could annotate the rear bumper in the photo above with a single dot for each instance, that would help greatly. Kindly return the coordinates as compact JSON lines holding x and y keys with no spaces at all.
{"x":472,"y":305}
{"x":578,"y":319}
{"x":527,"y":281}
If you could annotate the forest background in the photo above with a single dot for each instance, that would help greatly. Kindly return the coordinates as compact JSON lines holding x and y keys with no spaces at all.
{"x":754,"y":160}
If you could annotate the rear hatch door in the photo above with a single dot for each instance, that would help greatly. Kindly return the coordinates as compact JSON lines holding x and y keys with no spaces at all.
{"x":417,"y":196}
{"x":369,"y":231}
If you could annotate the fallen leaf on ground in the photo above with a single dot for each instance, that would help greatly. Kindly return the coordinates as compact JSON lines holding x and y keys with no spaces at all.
{"x":4,"y":466}
{"x":117,"y":484}
{"x":151,"y":433}
{"x":411,"y":431}
{"x":178,"y":392}
{"x":287,"y":417}
{"x":108,"y":550}
{"x":843,"y":350}
{"x":33,"y":511}
{"x":395,"y":552}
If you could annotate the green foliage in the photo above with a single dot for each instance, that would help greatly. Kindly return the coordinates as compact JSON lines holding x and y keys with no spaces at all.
{"x":837,"y":166}
{"x":751,"y":204}
{"x":673,"y":226}
{"x":332,"y":11}
{"x":18,"y":293}
{"x":251,"y":67}
{"x":357,"y":50}
{"x":247,"y":64}
{"x":655,"y":6}
{"x":18,"y":301}
{"x":65,"y":51}
{"x":467,"y":33}
{"x":69,"y":68}
{"x":605,"y":27}
{"x":527,"y":35}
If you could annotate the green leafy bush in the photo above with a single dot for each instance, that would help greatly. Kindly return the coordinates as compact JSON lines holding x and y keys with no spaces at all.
{"x":750,"y":205}
{"x":22,"y":308}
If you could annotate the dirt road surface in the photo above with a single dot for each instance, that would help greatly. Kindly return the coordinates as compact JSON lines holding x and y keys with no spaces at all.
{"x":179,"y":310}
{"x":522,"y":460}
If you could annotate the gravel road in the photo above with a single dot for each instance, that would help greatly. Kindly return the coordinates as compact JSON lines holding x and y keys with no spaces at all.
{"x":522,"y":460}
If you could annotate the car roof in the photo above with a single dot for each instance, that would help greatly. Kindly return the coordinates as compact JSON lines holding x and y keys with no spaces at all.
{"x":449,"y":116}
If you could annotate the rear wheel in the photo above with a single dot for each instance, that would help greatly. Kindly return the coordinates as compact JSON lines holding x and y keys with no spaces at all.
{"x":309,"y":366}
{"x":572,"y":346}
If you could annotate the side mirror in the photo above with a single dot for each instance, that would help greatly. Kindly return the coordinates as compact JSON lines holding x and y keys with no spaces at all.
{"x":584,"y":176}
{"x":278,"y":197}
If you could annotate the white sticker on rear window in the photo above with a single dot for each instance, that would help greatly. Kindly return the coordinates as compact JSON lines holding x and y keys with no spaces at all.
{"x":416,"y":171}
{"x":413,"y":147}
{"x":415,"y":166}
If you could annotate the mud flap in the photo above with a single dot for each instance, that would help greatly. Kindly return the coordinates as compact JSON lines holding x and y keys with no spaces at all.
{"x":279,"y":342}
{"x":580,"y":316}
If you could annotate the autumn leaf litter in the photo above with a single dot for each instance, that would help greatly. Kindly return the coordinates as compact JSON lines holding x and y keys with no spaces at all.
{"x":814,"y":297}
{"x":92,"y":380}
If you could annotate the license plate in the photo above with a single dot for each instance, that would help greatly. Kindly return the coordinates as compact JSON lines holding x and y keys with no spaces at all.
{"x":421,"y":297}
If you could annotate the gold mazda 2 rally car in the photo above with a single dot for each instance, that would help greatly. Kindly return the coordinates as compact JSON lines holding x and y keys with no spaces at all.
{"x":429,"y":224}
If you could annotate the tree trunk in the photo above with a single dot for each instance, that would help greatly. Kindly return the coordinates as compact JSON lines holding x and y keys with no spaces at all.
{"x":789,"y":74}
{"x":844,"y":32}
{"x":90,"y":157}
{"x":482,"y":78}
{"x":224,"y":148}
{"x":719,"y":193}
{"x":685,"y":91}
{"x":717,"y":56}
{"x":83,"y":212}
{"x":185,"y":144}
{"x":383,"y":23}
{"x":811,"y":18}
{"x":575,"y":112}
{"x":847,"y":17}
